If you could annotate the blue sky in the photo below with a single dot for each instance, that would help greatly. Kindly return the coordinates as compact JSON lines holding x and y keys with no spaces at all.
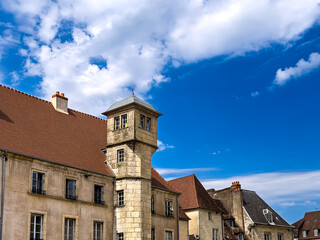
{"x":237,"y":81}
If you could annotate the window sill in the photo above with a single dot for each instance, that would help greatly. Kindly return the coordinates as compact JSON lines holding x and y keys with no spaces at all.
{"x":119,"y":206}
{"x":145,"y":129}
{"x":115,"y":130}
{"x":58,"y":198}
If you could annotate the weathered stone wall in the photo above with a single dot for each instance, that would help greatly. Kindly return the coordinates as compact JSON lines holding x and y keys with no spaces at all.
{"x":160,"y":222}
{"x":202,"y":226}
{"x":183,"y":230}
{"x":20,"y":202}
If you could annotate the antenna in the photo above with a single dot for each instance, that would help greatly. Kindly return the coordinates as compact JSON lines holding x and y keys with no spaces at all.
{"x":132,"y":89}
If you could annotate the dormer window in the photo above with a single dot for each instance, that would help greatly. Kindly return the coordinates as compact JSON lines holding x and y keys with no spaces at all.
{"x":268,"y":214}
{"x":142,"y":121}
{"x":304,"y":233}
{"x":116,"y":123}
{"x":124,"y":121}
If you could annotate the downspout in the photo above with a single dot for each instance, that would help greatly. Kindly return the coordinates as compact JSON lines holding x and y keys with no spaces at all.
{"x":4,"y":159}
{"x":178,"y":218}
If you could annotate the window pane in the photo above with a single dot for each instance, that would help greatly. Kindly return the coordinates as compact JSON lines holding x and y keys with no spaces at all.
{"x":124,"y":121}
{"x":142,"y":121}
{"x":71,"y":189}
{"x":148,"y":125}
{"x":116,"y":123}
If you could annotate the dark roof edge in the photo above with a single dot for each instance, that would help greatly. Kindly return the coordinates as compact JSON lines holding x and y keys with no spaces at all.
{"x":187,"y":209}
{"x":166,"y":190}
{"x":52,"y":162}
{"x":275,"y":225}
{"x":133,"y":103}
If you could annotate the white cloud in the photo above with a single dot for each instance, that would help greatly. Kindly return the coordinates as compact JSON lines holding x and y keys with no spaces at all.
{"x":138,"y":38}
{"x":302,"y":67}
{"x":174,"y":171}
{"x":162,"y":146}
{"x":216,"y":152}
{"x":283,"y":188}
{"x":255,"y":94}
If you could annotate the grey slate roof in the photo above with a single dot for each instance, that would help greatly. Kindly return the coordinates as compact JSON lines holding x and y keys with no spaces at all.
{"x":254,"y":206}
{"x":131,"y":100}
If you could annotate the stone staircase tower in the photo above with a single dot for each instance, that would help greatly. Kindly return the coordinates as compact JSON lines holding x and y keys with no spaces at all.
{"x":131,"y":141}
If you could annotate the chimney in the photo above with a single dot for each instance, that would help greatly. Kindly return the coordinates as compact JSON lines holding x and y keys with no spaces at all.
{"x":60,"y":102}
{"x":236,"y":186}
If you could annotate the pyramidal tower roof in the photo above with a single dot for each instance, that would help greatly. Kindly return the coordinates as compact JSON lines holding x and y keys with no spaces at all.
{"x":129,"y":101}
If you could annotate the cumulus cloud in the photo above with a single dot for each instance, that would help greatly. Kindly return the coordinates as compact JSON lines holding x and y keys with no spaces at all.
{"x":302,"y":68}
{"x":283,"y":188}
{"x":162,"y":146}
{"x":139,"y":38}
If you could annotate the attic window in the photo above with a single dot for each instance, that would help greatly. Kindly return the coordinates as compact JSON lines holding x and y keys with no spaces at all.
{"x":304,"y":233}
{"x":268,"y":215}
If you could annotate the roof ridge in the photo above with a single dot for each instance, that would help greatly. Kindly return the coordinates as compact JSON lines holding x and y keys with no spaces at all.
{"x":165,"y":180}
{"x":37,"y":98}
{"x":195,"y":189}
{"x":181,"y":177}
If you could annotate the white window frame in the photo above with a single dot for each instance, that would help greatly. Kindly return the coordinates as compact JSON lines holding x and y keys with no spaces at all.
{"x":120,"y":155}
{"x":95,"y":230}
{"x":117,"y":123}
{"x":215,"y":234}
{"x":120,"y":195}
{"x":39,"y":187}
{"x":168,"y":235}
{"x":34,"y":217}
{"x":280,"y":236}
{"x":267,"y":236}
{"x":67,"y":223}
{"x":304,"y":233}
{"x":168,"y":208}
{"x":316,"y":232}
{"x":124,"y":121}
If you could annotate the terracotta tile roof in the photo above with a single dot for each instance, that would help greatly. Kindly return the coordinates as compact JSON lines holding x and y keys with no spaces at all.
{"x":31,"y":126}
{"x":158,"y":181}
{"x":194,"y":195}
{"x":183,"y":215}
{"x":309,"y":222}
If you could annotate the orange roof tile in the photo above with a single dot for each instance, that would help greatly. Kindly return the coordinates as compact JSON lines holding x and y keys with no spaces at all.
{"x":194,"y":195}
{"x":31,"y":126}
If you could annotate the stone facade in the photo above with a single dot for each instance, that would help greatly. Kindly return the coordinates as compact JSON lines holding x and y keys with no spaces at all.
{"x":20,"y":202}
{"x":202,"y":226}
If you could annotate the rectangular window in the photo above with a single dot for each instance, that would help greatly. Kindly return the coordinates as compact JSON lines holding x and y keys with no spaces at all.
{"x":124,"y":121}
{"x":304,"y":233}
{"x":168,"y":235}
{"x":69,"y":228}
{"x":120,"y":236}
{"x":153,"y":234}
{"x":116,"y":123}
{"x":152,"y":205}
{"x":267,"y":236}
{"x":120,"y":198}
{"x":231,"y":223}
{"x":315,"y":232}
{"x":240,"y":236}
{"x":97,"y":231}
{"x":169,"y":209}
{"x":38,"y":183}
{"x":71,"y":189}
{"x":36,"y":227}
{"x":209,"y":215}
{"x":148,"y":125}
{"x":120,"y":155}
{"x":142,"y":121}
{"x":98,"y":195}
{"x":280,"y":236}
{"x":215,"y":235}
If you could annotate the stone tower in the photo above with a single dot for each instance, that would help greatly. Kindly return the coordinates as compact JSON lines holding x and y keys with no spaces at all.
{"x":131,"y":141}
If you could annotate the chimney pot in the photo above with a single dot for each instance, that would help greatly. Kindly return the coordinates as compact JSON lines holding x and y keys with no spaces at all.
{"x":62,"y":94}
{"x":57,"y":92}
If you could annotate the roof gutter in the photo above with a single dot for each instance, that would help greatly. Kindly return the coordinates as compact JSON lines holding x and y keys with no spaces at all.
{"x":52,"y":162}
{"x":4,"y":159}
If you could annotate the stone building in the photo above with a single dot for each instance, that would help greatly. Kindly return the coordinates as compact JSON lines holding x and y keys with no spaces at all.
{"x":72,"y":176}
{"x":252,"y":215}
{"x":308,"y":227}
{"x":205,"y":213}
